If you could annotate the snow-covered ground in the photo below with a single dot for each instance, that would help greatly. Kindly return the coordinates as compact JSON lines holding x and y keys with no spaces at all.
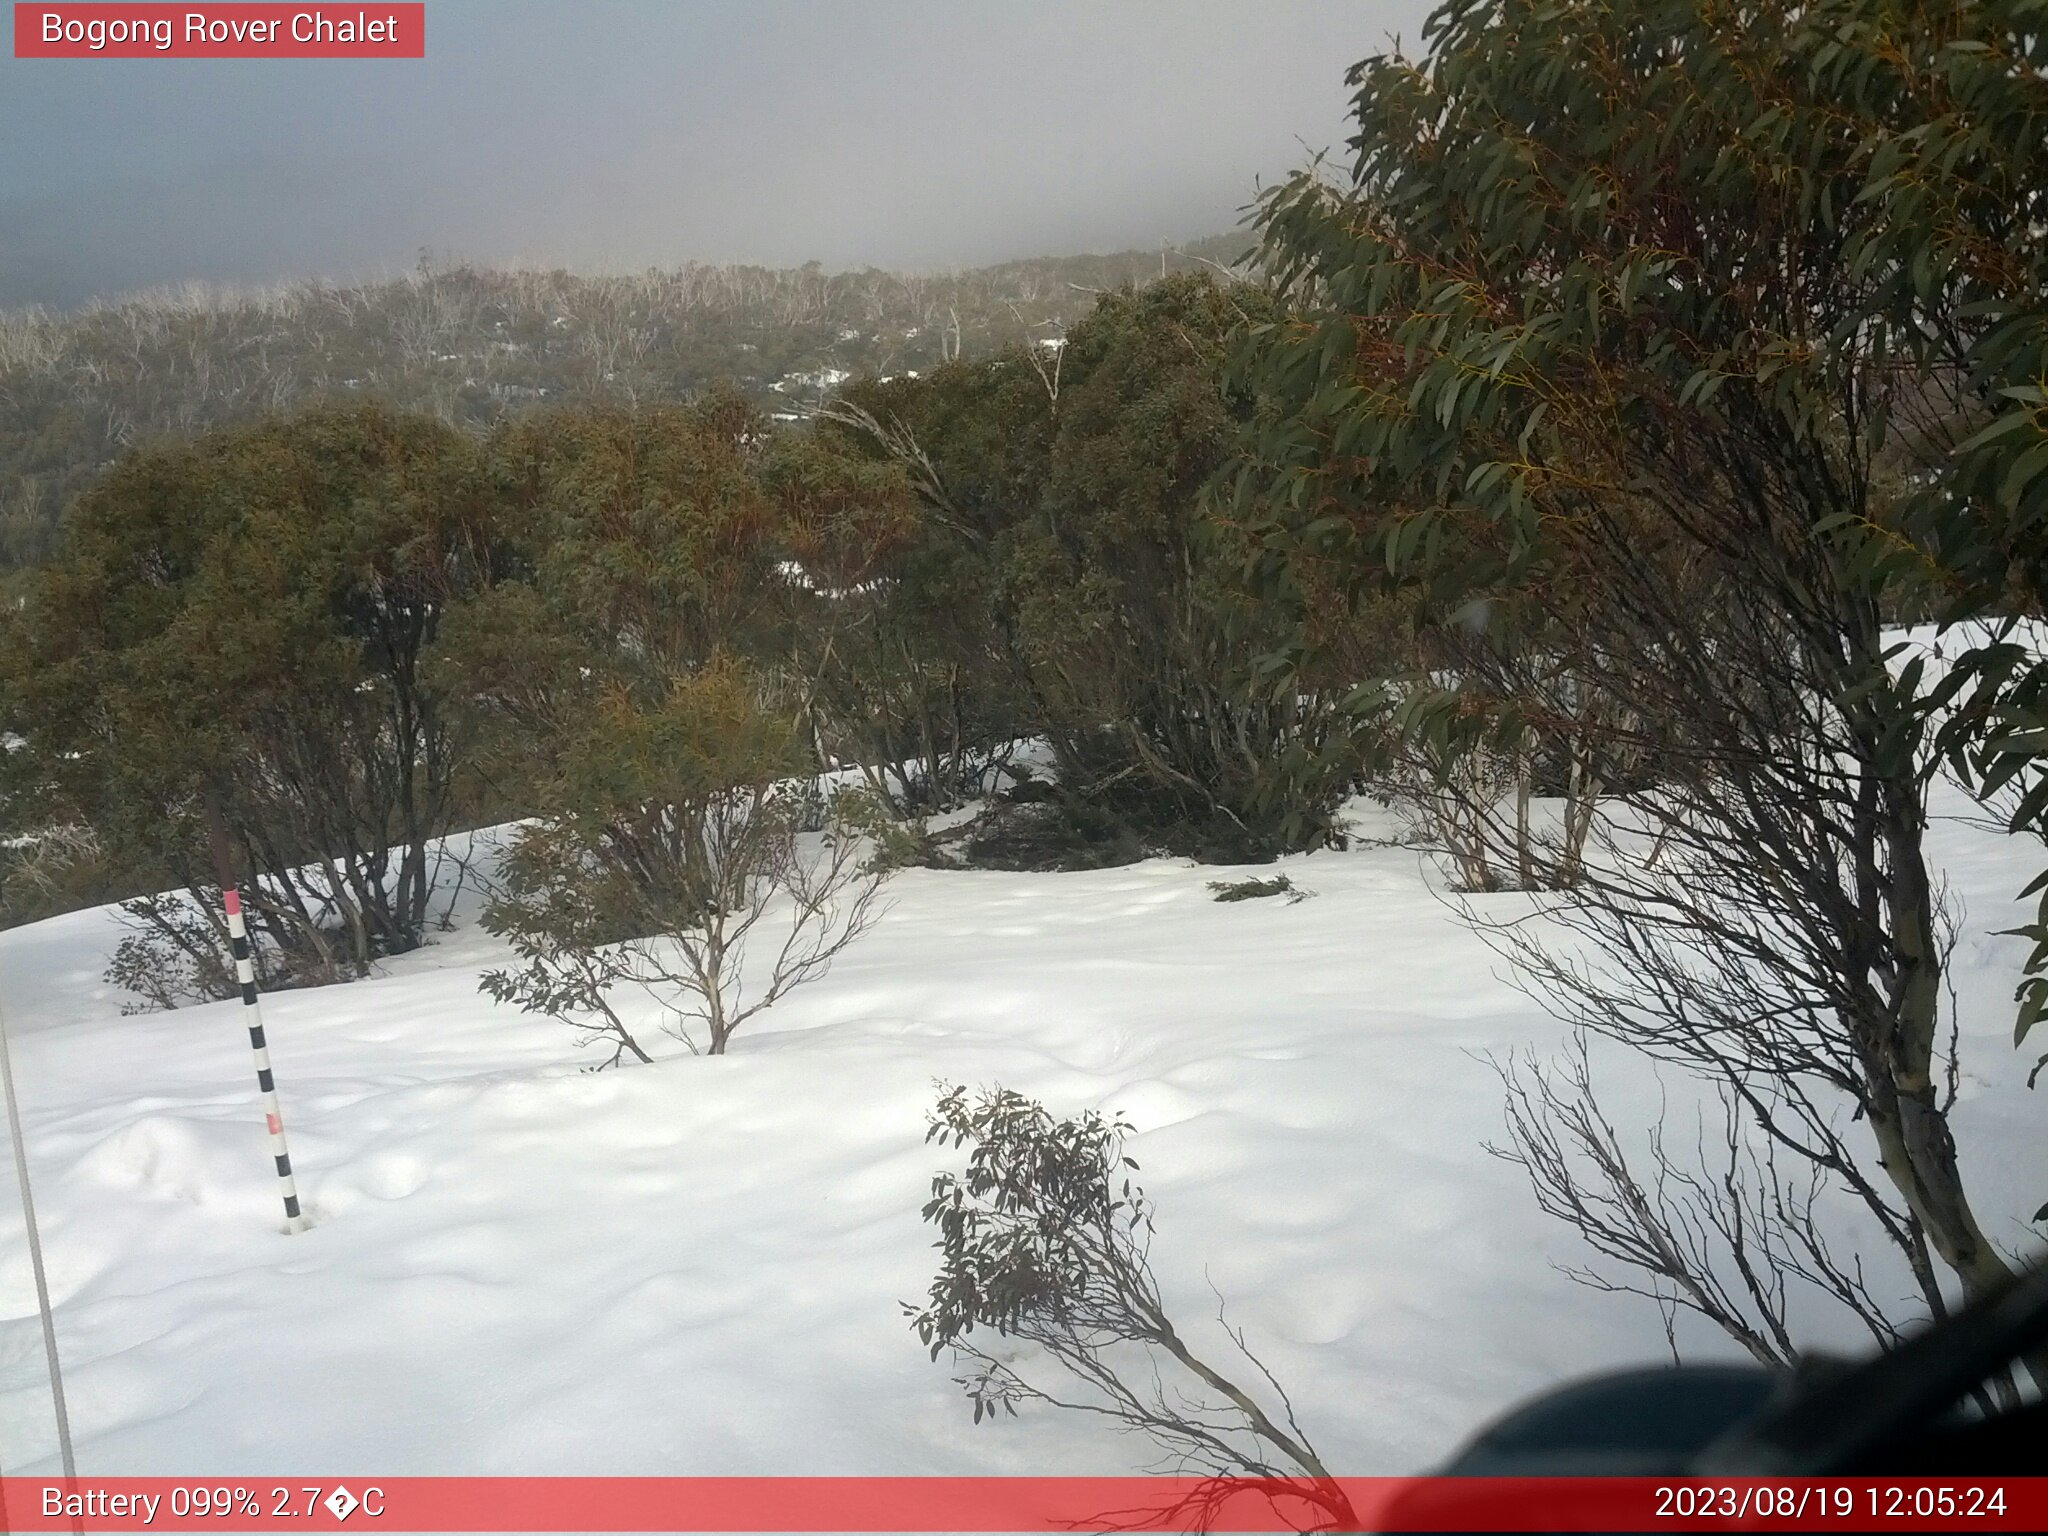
{"x":696,"y":1267}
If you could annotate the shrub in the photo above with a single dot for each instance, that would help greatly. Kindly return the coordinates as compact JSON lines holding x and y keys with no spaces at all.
{"x":1044,"y":1242}
{"x":1253,"y":889}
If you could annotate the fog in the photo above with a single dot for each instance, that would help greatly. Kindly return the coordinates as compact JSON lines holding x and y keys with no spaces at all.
{"x":610,"y":134}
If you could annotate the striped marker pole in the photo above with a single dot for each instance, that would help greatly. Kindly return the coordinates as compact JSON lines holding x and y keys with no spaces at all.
{"x":273,"y":1113}
{"x":245,"y":973}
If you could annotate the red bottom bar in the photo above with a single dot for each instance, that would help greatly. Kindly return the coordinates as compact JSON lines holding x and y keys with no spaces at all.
{"x":1004,"y":1504}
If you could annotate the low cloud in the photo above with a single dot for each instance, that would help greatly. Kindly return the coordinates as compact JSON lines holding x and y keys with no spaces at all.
{"x":621,"y":134}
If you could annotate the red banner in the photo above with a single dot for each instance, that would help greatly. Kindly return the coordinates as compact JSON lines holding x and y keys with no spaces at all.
{"x":235,"y":31}
{"x":1003,"y":1504}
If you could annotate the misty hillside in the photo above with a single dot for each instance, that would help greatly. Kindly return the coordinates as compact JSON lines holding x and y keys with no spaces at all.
{"x":467,"y":344}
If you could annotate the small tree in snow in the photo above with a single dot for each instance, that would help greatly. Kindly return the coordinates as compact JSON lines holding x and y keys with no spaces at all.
{"x":636,"y":709}
{"x":682,"y":853}
{"x":1046,"y":1241}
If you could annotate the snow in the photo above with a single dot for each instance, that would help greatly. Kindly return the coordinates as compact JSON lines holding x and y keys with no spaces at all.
{"x":816,"y":378}
{"x":517,"y":1266}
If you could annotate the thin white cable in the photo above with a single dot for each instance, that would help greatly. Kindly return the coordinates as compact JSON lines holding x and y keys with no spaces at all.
{"x":35,"y":1253}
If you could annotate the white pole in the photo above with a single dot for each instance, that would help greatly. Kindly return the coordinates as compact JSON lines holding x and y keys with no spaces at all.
{"x":35,"y":1255}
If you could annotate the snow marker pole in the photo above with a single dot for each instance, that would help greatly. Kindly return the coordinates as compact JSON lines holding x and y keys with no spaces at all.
{"x":245,"y":973}
{"x":18,"y":1137}
{"x":273,"y":1112}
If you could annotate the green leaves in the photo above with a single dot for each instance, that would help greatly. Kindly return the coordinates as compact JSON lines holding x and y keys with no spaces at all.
{"x":1043,"y":1212}
{"x":1603,"y":272}
{"x":259,"y":612}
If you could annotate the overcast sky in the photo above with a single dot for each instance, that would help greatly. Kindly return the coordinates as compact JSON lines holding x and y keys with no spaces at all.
{"x":623,"y":133}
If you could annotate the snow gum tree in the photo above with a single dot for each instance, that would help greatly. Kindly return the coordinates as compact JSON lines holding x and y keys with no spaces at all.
{"x":671,"y":853}
{"x":890,"y":636}
{"x":664,"y":762}
{"x":1612,"y":301}
{"x":252,"y":617}
{"x":1068,"y":487}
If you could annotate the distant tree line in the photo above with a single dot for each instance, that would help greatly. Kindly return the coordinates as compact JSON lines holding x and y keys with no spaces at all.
{"x":467,"y":344}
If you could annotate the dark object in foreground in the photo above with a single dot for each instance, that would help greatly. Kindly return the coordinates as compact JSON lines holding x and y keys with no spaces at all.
{"x":1912,"y":1412}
